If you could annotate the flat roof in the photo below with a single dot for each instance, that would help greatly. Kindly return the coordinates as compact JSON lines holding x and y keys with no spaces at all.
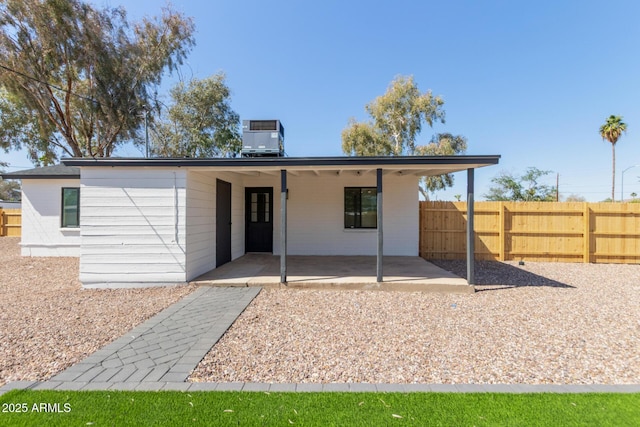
{"x":420,"y":165}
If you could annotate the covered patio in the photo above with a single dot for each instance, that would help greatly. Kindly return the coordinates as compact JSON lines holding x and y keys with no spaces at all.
{"x":409,"y":274}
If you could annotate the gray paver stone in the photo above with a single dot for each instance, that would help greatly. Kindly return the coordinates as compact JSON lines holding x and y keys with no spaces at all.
{"x":145,"y":364}
{"x":390,"y":388}
{"x":48,"y":385}
{"x":229,"y":386}
{"x":177,"y":386}
{"x":124,"y":374}
{"x":106,"y":375}
{"x":72,"y":385}
{"x":282,"y":387}
{"x":337,"y":387}
{"x":90,"y":374}
{"x":203,"y":386}
{"x":309,"y":387}
{"x":156,"y":373}
{"x":124,"y":385}
{"x":139,"y":375}
{"x":362,"y":387}
{"x":256,"y":387}
{"x":18,"y":385}
{"x":150,"y":386}
{"x":174,"y":377}
{"x":98,"y":385}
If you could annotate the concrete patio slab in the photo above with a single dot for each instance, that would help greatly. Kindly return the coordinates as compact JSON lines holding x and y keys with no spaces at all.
{"x":409,"y":274}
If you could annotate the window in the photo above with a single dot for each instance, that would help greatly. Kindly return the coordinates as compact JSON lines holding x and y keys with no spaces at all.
{"x":70,"y":207}
{"x":360,"y":207}
{"x":260,"y":208}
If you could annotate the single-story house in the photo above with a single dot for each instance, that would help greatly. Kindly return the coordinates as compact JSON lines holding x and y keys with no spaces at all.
{"x":153,"y":221}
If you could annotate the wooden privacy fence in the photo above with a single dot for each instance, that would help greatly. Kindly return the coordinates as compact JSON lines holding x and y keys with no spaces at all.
{"x":10,"y":222}
{"x":535,"y":231}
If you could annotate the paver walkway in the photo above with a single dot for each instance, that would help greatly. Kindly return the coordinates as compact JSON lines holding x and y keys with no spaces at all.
{"x":167,"y":347}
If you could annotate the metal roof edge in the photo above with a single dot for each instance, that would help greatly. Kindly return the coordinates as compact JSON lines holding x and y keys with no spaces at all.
{"x":284,"y":161}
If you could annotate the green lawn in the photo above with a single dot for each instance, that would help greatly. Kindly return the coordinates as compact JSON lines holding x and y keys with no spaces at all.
{"x":120,"y":408}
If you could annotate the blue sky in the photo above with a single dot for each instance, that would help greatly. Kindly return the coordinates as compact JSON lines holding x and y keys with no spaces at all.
{"x":531,"y":81}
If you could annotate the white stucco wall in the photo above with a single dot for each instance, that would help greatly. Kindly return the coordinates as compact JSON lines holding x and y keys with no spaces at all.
{"x":133,"y":226}
{"x":42,"y":234}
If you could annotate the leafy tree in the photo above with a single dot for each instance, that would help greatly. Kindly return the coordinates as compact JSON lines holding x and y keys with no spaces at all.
{"x":612,"y":130}
{"x":397,"y":118}
{"x":9,"y":190}
{"x":523,"y":188}
{"x":441,"y":144}
{"x":78,"y":77}
{"x":574,"y":198}
{"x":200,"y":121}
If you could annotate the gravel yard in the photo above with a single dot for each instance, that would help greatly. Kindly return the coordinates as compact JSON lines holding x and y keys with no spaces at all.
{"x":542,"y":323}
{"x":47,"y":322}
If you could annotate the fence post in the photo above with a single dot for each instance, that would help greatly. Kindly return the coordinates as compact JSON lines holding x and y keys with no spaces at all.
{"x":501,"y":235}
{"x":586,"y":237}
{"x":2,"y":221}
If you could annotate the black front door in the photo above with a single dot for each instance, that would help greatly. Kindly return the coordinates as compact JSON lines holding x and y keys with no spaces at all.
{"x":259,"y":219}
{"x":223,"y":222}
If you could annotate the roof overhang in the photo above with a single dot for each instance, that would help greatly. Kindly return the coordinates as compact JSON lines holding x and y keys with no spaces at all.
{"x":45,"y":172}
{"x":414,"y":165}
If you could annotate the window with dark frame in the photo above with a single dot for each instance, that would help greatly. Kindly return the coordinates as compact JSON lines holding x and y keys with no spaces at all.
{"x":260,"y":209}
{"x":70,"y":213}
{"x":360,"y":207}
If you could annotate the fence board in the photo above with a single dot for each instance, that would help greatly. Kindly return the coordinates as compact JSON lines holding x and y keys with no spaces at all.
{"x":10,"y":222}
{"x":535,"y":231}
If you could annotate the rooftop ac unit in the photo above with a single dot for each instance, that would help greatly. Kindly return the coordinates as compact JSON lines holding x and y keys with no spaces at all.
{"x":262,"y":138}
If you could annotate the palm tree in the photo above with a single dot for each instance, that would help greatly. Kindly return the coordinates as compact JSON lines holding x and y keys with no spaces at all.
{"x":612,"y":131}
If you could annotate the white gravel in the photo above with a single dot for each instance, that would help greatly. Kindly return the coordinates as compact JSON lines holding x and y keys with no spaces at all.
{"x":48,"y":323}
{"x":543,"y":323}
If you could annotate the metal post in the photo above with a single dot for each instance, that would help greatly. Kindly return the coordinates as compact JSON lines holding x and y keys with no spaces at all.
{"x":379,"y":223}
{"x":470,"y":231}
{"x":146,"y":132}
{"x":283,"y":226}
{"x":622,"y":186}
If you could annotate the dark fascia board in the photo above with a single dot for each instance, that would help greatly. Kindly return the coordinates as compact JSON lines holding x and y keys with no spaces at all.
{"x":46,"y":172}
{"x":284,"y":162}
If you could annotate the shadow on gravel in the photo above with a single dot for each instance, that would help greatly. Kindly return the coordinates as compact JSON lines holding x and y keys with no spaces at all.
{"x":495,"y":275}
